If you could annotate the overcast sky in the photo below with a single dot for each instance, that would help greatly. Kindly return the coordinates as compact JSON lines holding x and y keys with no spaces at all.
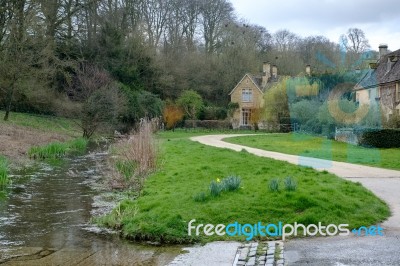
{"x":379,"y":19}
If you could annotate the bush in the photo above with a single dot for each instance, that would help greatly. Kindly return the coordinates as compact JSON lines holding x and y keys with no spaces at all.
{"x":215,"y":188}
{"x":200,"y":197}
{"x":213,"y":113}
{"x":312,"y":126}
{"x":172,"y":115}
{"x":231,"y":183}
{"x":135,"y":158}
{"x":290,"y":184}
{"x":274,"y":184}
{"x":384,"y":138}
{"x":393,"y":121}
{"x":191,"y":103}
{"x":208,"y":124}
{"x":139,"y":104}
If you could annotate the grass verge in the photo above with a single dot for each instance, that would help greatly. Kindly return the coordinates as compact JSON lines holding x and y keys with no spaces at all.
{"x":4,"y":180}
{"x":45,"y":123}
{"x":318,"y":147}
{"x":175,"y":195}
{"x":57,"y":150}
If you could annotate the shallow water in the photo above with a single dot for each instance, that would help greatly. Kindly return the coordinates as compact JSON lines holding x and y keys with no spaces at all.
{"x":44,"y":220}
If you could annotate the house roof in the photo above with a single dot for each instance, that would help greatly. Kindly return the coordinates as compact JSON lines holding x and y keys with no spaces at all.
{"x":257,"y":81}
{"x":381,"y":75}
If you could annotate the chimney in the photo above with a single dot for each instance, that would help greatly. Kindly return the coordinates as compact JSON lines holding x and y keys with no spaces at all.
{"x":308,"y":70}
{"x":274,"y":72}
{"x":383,"y":50}
{"x":266,"y":74}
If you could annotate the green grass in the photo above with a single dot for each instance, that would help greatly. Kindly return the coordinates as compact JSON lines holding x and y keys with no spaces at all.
{"x":4,"y":180}
{"x":55,"y":150}
{"x":41,"y":122}
{"x":176,"y":194}
{"x":126,"y":168}
{"x":318,"y":147}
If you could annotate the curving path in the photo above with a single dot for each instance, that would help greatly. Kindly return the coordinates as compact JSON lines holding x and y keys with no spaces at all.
{"x":384,"y":183}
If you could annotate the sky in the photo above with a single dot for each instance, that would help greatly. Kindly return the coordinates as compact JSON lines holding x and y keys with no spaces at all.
{"x":379,"y":19}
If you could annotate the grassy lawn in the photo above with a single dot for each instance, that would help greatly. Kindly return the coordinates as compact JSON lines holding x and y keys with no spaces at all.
{"x":44,"y":123}
{"x":187,"y":168}
{"x":318,"y":147}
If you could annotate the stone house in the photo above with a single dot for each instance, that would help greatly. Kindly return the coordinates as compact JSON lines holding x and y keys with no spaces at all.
{"x":380,"y":84}
{"x":249,"y":95}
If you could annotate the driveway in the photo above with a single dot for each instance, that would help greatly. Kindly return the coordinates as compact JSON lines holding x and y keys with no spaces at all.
{"x":338,"y":251}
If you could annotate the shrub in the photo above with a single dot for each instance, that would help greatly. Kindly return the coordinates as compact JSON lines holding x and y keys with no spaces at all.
{"x":208,"y":124}
{"x":215,"y":188}
{"x":191,"y":103}
{"x":172,"y":115}
{"x":135,"y":158}
{"x":213,"y":113}
{"x":231,"y":183}
{"x":385,"y":138}
{"x":139,"y":103}
{"x":290,"y":184}
{"x":274,"y":184}
{"x":393,"y":121}
{"x":200,"y":197}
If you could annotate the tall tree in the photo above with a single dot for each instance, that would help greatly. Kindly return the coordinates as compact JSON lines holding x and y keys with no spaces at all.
{"x":355,"y":41}
{"x":15,"y":57}
{"x":213,"y":16}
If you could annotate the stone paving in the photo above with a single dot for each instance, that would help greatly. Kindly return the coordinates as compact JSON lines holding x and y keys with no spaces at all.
{"x":260,"y":253}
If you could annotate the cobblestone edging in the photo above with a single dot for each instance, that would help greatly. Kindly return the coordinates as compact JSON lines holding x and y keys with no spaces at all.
{"x":260,"y":254}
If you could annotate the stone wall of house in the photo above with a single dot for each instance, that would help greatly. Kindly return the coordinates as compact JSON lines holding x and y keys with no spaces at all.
{"x":246,"y":83}
{"x":367,"y":96}
{"x":236,"y":97}
{"x":388,"y":98}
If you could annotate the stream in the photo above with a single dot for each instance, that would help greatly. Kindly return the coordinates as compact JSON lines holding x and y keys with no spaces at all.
{"x":44,"y":220}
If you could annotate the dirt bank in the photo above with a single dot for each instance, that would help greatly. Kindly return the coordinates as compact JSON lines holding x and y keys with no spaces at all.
{"x":15,"y":141}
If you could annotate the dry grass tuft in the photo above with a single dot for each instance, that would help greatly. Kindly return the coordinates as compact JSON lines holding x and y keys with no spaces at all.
{"x":134,"y":158}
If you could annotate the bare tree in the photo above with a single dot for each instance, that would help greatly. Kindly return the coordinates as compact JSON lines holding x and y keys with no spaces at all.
{"x":285,"y":40}
{"x":213,"y":16}
{"x":355,"y":41}
{"x":155,"y":15}
{"x":99,"y":95}
{"x":15,"y":57}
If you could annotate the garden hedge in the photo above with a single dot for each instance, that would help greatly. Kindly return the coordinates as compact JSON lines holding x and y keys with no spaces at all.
{"x":383,"y":138}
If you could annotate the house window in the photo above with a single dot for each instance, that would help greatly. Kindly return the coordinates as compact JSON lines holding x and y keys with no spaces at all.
{"x":247,"y":95}
{"x":369,"y":94}
{"x":245,"y":117}
{"x":397,"y":92}
{"x":357,"y":96}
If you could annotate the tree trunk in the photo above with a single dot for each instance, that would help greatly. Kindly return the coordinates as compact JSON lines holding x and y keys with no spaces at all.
{"x":8,"y":108}
{"x":6,"y":115}
{"x":10,"y":94}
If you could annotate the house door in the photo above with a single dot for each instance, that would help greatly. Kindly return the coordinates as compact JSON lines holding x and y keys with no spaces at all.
{"x":245,"y":117}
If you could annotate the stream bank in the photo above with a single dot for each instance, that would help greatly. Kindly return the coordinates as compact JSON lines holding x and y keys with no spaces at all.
{"x":45,"y":219}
